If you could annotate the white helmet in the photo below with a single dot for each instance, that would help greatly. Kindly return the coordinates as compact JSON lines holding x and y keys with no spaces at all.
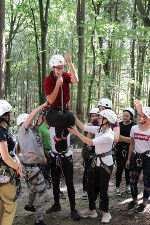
{"x":146,"y":111}
{"x":94,"y":110}
{"x":4,"y":107}
{"x":57,"y":60}
{"x":109,"y":115}
{"x":130,"y":110}
{"x":105,"y":102}
{"x":21,"y":118}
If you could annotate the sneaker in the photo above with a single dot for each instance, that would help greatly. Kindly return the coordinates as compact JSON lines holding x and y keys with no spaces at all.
{"x":54,"y":208}
{"x":106,"y":217}
{"x":117,"y":191}
{"x":30,"y":208}
{"x":40,"y":222}
{"x":75,"y":215}
{"x":141,"y":208}
{"x":88,"y":213}
{"x":128,"y":189}
{"x":61,"y":195}
{"x":131,"y":206}
{"x":84,"y":196}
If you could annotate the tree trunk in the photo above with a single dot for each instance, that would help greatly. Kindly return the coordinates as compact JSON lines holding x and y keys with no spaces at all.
{"x":37,"y":56}
{"x":93,"y":74}
{"x":140,"y":66}
{"x":2,"y":46}
{"x":44,"y":27}
{"x":145,"y":12}
{"x":80,"y":31}
{"x":132,"y":57}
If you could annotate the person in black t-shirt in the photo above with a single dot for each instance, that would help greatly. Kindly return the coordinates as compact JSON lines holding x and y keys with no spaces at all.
{"x":10,"y":167}
{"x":122,"y":148}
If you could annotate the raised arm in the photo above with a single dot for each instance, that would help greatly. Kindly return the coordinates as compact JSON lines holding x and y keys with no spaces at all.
{"x":30,"y":118}
{"x":74,"y":75}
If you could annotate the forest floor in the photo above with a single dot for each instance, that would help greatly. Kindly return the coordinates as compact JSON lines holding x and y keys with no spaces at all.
{"x":118,"y":204}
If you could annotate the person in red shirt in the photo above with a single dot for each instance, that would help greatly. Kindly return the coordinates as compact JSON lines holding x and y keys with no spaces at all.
{"x":57,"y":90}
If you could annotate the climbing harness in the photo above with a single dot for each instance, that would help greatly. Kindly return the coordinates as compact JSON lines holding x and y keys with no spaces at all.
{"x":103,"y":165}
{"x":36,"y":169}
{"x":9,"y":175}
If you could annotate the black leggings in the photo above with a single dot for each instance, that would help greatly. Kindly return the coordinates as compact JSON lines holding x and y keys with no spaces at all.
{"x":121,"y":165}
{"x":67,"y":167}
{"x":134,"y":177}
{"x":59,"y":120}
{"x":99,"y":183}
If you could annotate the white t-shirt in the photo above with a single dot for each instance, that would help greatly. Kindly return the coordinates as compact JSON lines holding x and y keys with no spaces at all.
{"x":103,"y":142}
{"x":141,"y":139}
{"x":52,"y":135}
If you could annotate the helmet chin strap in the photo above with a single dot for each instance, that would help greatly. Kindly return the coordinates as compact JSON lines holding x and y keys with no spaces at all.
{"x":103,"y":124}
{"x":7,"y":121}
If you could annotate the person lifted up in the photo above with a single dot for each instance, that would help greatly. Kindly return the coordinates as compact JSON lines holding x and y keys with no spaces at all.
{"x":56,"y":88}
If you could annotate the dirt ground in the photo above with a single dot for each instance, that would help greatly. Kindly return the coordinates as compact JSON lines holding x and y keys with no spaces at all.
{"x":118,"y":205}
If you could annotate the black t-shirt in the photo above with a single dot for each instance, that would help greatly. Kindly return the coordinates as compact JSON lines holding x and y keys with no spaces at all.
{"x":124,"y":131}
{"x":5,"y":135}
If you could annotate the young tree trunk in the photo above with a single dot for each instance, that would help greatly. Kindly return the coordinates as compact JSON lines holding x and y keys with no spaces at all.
{"x":140,"y":66}
{"x":37,"y":56}
{"x":80,"y":31}
{"x":16,"y":21}
{"x":44,"y":27}
{"x":144,"y":11}
{"x":132,"y":58}
{"x":2,"y":46}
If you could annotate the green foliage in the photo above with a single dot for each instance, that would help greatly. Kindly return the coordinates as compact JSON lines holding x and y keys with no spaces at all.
{"x":110,"y":26}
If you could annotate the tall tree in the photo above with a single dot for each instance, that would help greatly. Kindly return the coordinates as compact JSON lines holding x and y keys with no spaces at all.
{"x":44,"y":27}
{"x":16,"y":21}
{"x":81,"y":40}
{"x":2,"y":46}
{"x":37,"y":53}
{"x":132,"y":58}
{"x":144,"y":11}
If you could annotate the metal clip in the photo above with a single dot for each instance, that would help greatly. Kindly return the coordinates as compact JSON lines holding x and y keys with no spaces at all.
{"x":124,"y":153}
{"x":139,"y":162}
{"x":58,"y":161}
{"x":93,"y":163}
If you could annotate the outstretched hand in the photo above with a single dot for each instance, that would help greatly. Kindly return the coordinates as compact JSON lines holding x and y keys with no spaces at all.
{"x":138,"y":106}
{"x":68,"y":58}
{"x":72,"y":130}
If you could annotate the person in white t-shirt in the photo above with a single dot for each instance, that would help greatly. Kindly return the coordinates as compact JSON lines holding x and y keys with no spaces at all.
{"x":62,"y":162}
{"x":103,"y":141}
{"x":139,"y":157}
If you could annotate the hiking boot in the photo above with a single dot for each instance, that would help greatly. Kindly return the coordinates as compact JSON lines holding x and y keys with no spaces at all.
{"x":117,"y":191}
{"x":30,"y":208}
{"x":54,"y":208}
{"x":106,"y":217}
{"x":128,"y":189}
{"x":84,"y":196}
{"x":88,"y":213}
{"x":61,"y":195}
{"x":131,"y":206}
{"x":141,"y":208}
{"x":40,"y":222}
{"x":75,"y":215}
